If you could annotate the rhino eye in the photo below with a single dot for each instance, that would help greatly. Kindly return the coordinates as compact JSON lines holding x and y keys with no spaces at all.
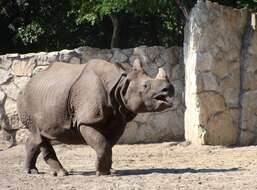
{"x":146,"y":85}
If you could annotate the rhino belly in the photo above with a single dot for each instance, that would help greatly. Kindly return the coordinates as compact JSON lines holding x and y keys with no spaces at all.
{"x":70,"y":136}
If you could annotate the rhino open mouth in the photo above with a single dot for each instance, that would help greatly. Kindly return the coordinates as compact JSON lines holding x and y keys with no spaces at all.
{"x":163,"y":97}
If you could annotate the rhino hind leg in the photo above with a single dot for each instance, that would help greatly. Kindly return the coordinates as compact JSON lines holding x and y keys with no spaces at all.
{"x":32,"y":152}
{"x":51,"y":159}
{"x":102,"y":148}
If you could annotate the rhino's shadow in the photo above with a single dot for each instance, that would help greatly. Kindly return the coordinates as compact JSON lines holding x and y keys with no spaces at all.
{"x":161,"y":171}
{"x":85,"y":173}
{"x":173,"y":171}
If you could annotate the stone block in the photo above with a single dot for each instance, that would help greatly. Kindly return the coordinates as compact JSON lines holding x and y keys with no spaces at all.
{"x":53,"y":57}
{"x":2,"y":97}
{"x":221,"y":130}
{"x":5,"y":76}
{"x":118,"y":57}
{"x":41,"y":58}
{"x":10,"y":107}
{"x":5,"y":63}
{"x":20,"y":82}
{"x":74,"y":60}
{"x":11,"y":90}
{"x":23,"y":68}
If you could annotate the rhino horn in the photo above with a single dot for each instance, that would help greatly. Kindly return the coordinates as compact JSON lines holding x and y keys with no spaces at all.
{"x":161,"y":74}
{"x":137,"y":65}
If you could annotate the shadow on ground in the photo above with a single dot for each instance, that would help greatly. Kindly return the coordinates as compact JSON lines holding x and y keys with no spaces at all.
{"x":160,"y":171}
{"x":174,"y":171}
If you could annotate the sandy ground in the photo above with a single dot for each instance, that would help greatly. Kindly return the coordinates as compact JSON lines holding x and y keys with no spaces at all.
{"x":153,"y":166}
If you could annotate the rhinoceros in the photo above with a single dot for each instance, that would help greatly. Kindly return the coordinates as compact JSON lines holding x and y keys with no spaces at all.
{"x":86,"y":104}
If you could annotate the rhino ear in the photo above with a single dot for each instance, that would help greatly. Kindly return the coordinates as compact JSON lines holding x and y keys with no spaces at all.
{"x":137,"y":65}
{"x":161,"y":74}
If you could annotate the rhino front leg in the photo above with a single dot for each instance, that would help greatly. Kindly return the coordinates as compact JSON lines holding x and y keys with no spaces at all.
{"x":32,"y":152}
{"x":102,"y":148}
{"x":51,"y":159}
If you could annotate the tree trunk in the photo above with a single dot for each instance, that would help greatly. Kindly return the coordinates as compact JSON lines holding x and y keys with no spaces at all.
{"x":120,"y":30}
{"x":116,"y":38}
{"x":184,"y":8}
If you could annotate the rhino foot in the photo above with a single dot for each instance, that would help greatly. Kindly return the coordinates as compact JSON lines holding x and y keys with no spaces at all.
{"x":113,"y":172}
{"x":32,"y":171}
{"x":60,"y":172}
{"x":98,"y":173}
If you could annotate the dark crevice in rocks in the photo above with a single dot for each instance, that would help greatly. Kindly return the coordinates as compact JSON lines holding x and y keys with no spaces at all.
{"x":209,"y":91}
{"x":246,"y":42}
{"x":248,"y":130}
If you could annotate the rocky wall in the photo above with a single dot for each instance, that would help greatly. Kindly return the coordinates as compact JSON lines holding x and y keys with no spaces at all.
{"x":220,"y":76}
{"x":16,"y":70}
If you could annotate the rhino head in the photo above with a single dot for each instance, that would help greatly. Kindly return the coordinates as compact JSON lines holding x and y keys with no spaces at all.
{"x":146,"y":94}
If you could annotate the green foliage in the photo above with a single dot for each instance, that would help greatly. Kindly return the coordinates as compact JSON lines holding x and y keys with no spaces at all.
{"x":96,"y":10}
{"x":251,"y":5}
{"x":30,"y":33}
{"x":47,"y":25}
{"x":150,"y":22}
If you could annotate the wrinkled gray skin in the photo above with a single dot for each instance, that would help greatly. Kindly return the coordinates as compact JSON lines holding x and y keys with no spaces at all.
{"x":89,"y":103}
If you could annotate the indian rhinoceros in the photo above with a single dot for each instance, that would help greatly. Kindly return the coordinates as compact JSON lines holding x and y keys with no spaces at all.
{"x":88,"y":103}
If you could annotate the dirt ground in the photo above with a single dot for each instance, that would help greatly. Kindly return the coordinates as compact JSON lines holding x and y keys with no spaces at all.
{"x":153,"y":166}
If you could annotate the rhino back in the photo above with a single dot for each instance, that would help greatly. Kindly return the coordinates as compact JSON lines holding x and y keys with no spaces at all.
{"x":44,"y":99}
{"x":109,"y":73}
